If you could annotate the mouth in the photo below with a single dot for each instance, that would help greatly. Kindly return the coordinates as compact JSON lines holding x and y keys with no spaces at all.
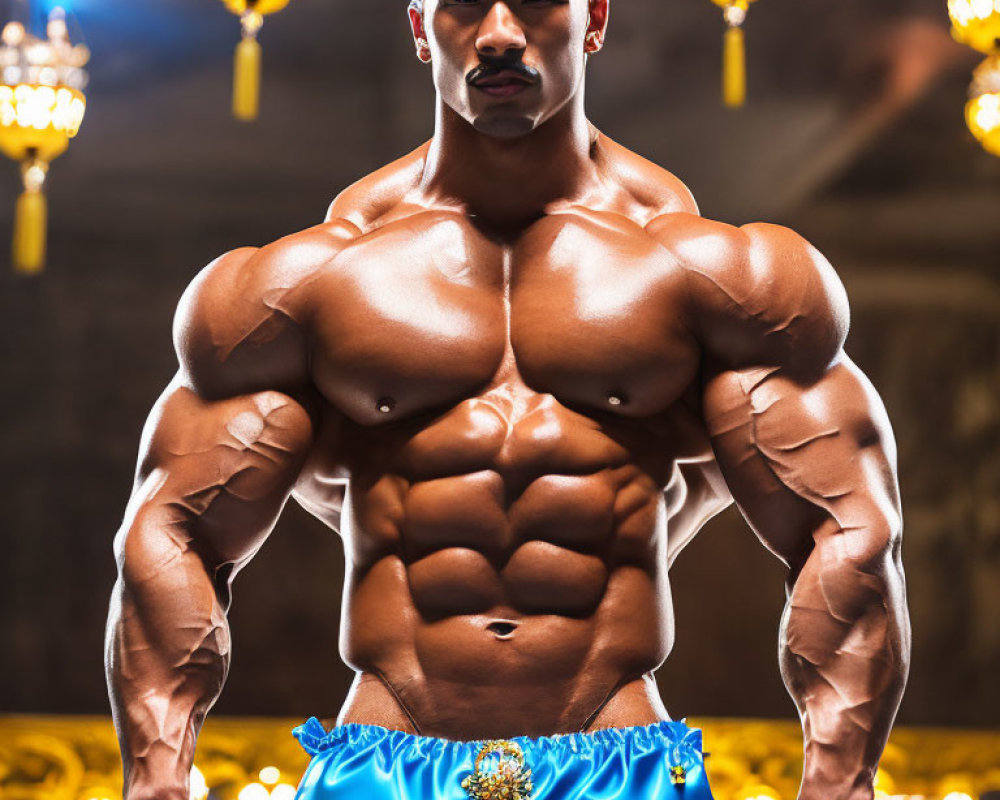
{"x":502,"y":86}
{"x":505,"y":81}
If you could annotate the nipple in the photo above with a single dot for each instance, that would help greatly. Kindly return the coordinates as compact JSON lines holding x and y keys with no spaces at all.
{"x":386,"y":405}
{"x":502,"y":628}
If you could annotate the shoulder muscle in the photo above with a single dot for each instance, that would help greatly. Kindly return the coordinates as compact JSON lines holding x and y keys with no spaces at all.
{"x":761,"y":295}
{"x":238,"y":327}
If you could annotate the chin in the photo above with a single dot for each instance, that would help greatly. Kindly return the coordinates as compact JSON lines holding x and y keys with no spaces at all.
{"x":504,"y":127}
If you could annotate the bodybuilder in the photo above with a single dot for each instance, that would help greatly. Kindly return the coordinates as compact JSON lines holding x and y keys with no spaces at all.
{"x":517,"y":372}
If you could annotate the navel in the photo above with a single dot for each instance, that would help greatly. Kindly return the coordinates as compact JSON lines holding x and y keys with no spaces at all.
{"x":502,"y":628}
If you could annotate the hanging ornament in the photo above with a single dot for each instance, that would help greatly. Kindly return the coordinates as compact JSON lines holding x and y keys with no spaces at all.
{"x":982,"y":112}
{"x":976,"y":23}
{"x":41,"y":108}
{"x":734,"y":65}
{"x":246,"y":68}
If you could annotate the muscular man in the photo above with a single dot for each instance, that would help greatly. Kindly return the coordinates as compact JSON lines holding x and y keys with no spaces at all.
{"x":517,"y":372}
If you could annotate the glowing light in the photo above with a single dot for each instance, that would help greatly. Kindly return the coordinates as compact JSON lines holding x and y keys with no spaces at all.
{"x":34,"y":175}
{"x":976,"y":23}
{"x":38,"y":53}
{"x":283,"y":791}
{"x":199,"y":788}
{"x":982,"y":8}
{"x":254,"y":791}
{"x":98,"y":793}
{"x":57,"y":29}
{"x":759,"y":792}
{"x":269,"y":775}
{"x":13,"y":34}
{"x":982,"y":112}
{"x":42,"y":108}
{"x":986,"y":113}
{"x":957,"y":796}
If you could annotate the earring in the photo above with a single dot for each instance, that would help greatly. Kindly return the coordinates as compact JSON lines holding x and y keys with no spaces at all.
{"x":423,"y":50}
{"x":593,"y":42}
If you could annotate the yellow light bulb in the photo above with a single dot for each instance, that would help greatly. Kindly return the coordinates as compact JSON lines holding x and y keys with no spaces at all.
{"x":254,"y":791}
{"x":976,"y":23}
{"x":269,"y":775}
{"x":982,"y":112}
{"x":283,"y":791}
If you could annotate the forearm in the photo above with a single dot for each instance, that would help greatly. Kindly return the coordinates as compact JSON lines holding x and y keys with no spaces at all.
{"x":845,"y":657}
{"x":166,"y":661}
{"x":812,"y":466}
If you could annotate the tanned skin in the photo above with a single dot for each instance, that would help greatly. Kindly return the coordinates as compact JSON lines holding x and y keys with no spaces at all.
{"x":517,"y":372}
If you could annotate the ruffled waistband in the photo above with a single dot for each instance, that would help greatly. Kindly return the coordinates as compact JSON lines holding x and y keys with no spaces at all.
{"x":683,"y":742}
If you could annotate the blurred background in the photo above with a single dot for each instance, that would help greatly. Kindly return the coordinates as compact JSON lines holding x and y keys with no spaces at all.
{"x":853,"y":135}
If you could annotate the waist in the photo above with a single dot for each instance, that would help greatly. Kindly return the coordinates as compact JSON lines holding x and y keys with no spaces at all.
{"x":482,"y":713}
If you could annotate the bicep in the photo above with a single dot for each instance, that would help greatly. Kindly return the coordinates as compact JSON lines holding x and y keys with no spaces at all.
{"x":214,"y":475}
{"x":807,"y":461}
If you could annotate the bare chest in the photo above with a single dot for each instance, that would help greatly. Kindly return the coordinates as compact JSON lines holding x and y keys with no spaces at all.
{"x":427,"y":312}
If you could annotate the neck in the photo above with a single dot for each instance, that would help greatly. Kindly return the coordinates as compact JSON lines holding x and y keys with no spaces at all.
{"x":510,"y":181}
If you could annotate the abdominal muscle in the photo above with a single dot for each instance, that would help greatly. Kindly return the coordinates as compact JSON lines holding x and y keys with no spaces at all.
{"x":526,"y":597}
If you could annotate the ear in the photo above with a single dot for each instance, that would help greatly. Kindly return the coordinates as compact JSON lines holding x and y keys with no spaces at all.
{"x":419,"y":33}
{"x":597,"y":25}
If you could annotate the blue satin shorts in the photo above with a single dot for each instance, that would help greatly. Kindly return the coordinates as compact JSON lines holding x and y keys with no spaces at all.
{"x":367,"y":762}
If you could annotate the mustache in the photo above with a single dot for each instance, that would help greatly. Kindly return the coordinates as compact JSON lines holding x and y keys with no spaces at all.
{"x":491,"y":66}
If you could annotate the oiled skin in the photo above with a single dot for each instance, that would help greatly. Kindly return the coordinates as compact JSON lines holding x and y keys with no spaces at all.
{"x":515,"y":427}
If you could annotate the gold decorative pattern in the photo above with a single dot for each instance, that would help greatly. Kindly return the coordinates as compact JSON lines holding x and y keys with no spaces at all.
{"x":508,"y":779}
{"x":49,"y":758}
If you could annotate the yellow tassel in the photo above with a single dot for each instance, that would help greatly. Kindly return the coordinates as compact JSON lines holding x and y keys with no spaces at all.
{"x":734,"y":69}
{"x":29,"y":232}
{"x":246,"y":80}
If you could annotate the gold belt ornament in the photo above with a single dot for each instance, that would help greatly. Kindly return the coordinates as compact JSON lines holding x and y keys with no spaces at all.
{"x":509,"y":779}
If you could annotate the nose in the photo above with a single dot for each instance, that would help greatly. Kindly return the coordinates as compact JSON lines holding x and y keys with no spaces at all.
{"x":500,"y":32}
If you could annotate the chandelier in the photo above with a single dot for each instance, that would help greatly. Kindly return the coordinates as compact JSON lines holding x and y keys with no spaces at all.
{"x":41,"y":108}
{"x":976,"y":23}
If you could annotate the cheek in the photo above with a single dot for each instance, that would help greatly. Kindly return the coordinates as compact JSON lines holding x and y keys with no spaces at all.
{"x":449,"y":80}
{"x":566,"y":64}
{"x":450,"y":53}
{"x":561,"y":45}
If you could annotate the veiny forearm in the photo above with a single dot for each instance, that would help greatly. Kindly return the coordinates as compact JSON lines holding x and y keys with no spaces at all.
{"x":812,"y":466}
{"x":213,"y":479}
{"x":167,"y":657}
{"x":844,"y":656}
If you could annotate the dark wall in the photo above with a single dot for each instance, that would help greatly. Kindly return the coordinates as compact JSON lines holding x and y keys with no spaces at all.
{"x":853,"y":136}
